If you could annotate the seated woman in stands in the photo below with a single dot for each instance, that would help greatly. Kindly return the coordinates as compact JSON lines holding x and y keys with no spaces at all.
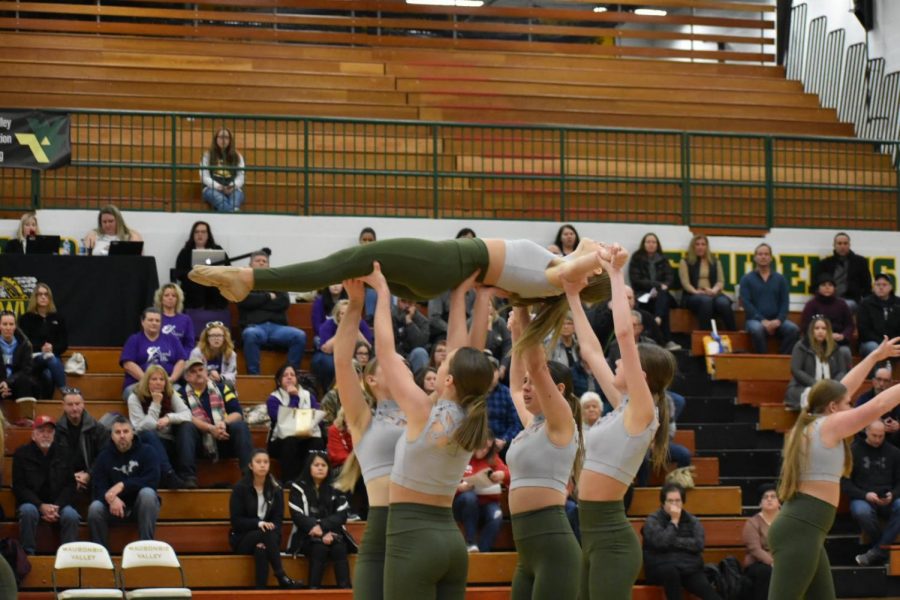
{"x":46,"y":329}
{"x":203,"y":304}
{"x":323,"y":360}
{"x":815,"y":357}
{"x":426,"y":378}
{"x":111,"y":227}
{"x":319,"y":512}
{"x":162,"y":420}
{"x":651,"y":276}
{"x":291,"y":451}
{"x":323,"y":304}
{"x":28,"y":228}
{"x":169,"y":299}
{"x":222,"y":173}
{"x":827,"y":303}
{"x":567,"y":239}
{"x":702,"y":279}
{"x":216,"y":348}
{"x":758,"y":561}
{"x":438,"y":354}
{"x":16,"y":363}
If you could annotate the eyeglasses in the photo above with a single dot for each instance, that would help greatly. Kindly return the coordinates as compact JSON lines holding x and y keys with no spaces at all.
{"x":214,"y":324}
{"x":70,"y":391}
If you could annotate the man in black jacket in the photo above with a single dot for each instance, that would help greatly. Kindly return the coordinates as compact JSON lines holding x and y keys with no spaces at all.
{"x":673,"y":547}
{"x":79,"y":437}
{"x":15,"y":360}
{"x":879,"y":315}
{"x":125,"y":479}
{"x":874,"y":491}
{"x":43,"y":487}
{"x":263,"y":318}
{"x":852,"y":278}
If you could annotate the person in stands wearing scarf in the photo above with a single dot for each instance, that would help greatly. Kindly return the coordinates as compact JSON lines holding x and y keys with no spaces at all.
{"x":218,"y":423}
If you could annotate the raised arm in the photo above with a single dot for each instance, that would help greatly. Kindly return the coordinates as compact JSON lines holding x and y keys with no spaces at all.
{"x":517,"y":322}
{"x":554,"y":406}
{"x":858,"y":374}
{"x":590,"y":347}
{"x":484,"y":297}
{"x":457,"y":333}
{"x":356,"y":410}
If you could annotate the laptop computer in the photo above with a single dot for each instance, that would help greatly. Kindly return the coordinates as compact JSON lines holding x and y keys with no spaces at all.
{"x":203,"y":256}
{"x":42,"y":244}
{"x":120,"y":248}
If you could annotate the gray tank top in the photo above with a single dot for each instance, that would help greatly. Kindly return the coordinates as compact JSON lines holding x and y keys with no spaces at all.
{"x":821,"y":463}
{"x":611,"y":451}
{"x":535,"y":462}
{"x":433,"y":463}
{"x":524,"y":270}
{"x":375,"y":450}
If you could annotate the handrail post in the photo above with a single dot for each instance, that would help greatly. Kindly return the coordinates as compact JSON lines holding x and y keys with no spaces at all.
{"x":897,"y":178}
{"x":174,"y":167}
{"x":562,"y":176}
{"x":306,"y":167}
{"x":686,"y":178}
{"x":435,"y":177}
{"x":35,"y":189}
{"x":770,"y":181}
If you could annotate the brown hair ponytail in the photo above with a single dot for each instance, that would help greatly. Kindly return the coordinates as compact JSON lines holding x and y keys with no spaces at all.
{"x":473,"y":375}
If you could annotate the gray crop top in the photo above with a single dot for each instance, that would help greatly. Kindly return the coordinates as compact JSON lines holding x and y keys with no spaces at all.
{"x":535,"y":462}
{"x":427,"y":464}
{"x":821,"y":463}
{"x":375,"y":451}
{"x":524,"y":270}
{"x":610,"y":450}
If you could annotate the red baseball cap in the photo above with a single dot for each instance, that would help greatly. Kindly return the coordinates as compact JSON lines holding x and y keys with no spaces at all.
{"x":42,"y":420}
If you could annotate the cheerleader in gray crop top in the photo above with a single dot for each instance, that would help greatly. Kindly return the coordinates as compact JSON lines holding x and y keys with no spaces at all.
{"x":425,"y":554}
{"x":374,"y":438}
{"x":816,"y":456}
{"x":616,"y":445}
{"x":542,"y":460}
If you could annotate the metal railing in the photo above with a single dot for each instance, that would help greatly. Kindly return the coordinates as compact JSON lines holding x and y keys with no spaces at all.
{"x":319,"y":166}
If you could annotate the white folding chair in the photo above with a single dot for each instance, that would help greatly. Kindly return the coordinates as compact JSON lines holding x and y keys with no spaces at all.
{"x":152,"y":553}
{"x":84,"y":555}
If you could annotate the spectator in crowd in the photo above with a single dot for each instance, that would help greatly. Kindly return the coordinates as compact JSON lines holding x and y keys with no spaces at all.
{"x":28,"y":228}
{"x":319,"y":512}
{"x":764,"y":295}
{"x":216,"y":349}
{"x":673,"y":547}
{"x":826,"y":304}
{"x":162,"y":421}
{"x":222,"y":173}
{"x":218,"y":423}
{"x":566,"y":240}
{"x":331,"y":401}
{"x":477,"y":497}
{"x":362,"y":353}
{"x":852,"y":278}
{"x":203,"y":304}
{"x":169,"y":301}
{"x":498,"y":341}
{"x":411,"y":331}
{"x":16,"y":362}
{"x":601,"y":320}
{"x":703,"y":279}
{"x":150,"y":346}
{"x":426,"y":379}
{"x":111,"y":227}
{"x":591,"y":409}
{"x":43,"y":487}
{"x":439,"y":312}
{"x":465,"y":232}
{"x":323,"y":359}
{"x":879,"y":315}
{"x":758,"y":560}
{"x":80,"y":438}
{"x":502,"y":418}
{"x":257,"y":512}
{"x":566,"y":351}
{"x":651,"y":276}
{"x":263,"y":317}
{"x":46,"y":329}
{"x":324,"y":303}
{"x":815,"y":357}
{"x":367,"y":235}
{"x":438,"y":354}
{"x":125,"y":478}
{"x":291,"y":451}
{"x":873,"y":488}
{"x":881,"y":380}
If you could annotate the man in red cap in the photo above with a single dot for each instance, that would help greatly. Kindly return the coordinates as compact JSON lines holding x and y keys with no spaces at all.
{"x":43,"y":486}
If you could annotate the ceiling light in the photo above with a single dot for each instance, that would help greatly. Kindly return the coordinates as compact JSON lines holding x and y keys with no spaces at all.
{"x":475,"y":3}
{"x":600,"y":9}
{"x":650,"y":12}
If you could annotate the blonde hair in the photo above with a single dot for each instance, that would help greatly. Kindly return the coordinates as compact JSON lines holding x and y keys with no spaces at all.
{"x":824,"y":349}
{"x":20,"y":232}
{"x":691,"y":255}
{"x":157,"y":297}
{"x":796,"y":445}
{"x":227,"y":344}
{"x":142,"y":391}
{"x":336,"y":310}
{"x":350,"y":470}
{"x":122,"y":230}
{"x":32,"y":300}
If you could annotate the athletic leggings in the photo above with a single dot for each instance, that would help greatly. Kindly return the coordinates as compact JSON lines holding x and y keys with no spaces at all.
{"x":549,"y":566}
{"x":415,"y":269}
{"x":425,"y":555}
{"x":611,"y":552}
{"x":368,"y":575}
{"x":797,"y":540}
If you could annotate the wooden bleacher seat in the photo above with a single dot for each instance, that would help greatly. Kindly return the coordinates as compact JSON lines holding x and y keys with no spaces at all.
{"x":753,"y":367}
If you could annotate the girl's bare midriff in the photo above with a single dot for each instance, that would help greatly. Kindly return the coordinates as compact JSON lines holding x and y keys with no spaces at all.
{"x":526,"y":499}
{"x":400,"y":493}
{"x":496,"y":259}
{"x":597,"y":487}
{"x":826,"y":491}
{"x":379,"y":491}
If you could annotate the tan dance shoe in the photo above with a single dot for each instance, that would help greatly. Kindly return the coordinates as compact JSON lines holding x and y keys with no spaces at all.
{"x":227,"y":279}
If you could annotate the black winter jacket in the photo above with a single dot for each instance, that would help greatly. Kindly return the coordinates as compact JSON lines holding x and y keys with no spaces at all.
{"x":326,"y":507}
{"x":259,"y":307}
{"x":243,"y":510}
{"x":859,"y":278}
{"x":878,"y":318}
{"x":92,"y":439}
{"x":42,"y":479}
{"x":22,"y":363}
{"x":41,"y":330}
{"x":666,"y":544}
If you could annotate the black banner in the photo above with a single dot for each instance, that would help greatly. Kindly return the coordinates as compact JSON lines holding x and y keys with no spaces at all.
{"x":34,"y":139}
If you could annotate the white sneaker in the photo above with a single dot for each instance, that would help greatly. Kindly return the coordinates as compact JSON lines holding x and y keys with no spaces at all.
{"x":472,"y":548}
{"x":672,"y":346}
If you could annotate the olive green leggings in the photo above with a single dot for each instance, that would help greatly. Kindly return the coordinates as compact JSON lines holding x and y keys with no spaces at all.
{"x":425,"y":555}
{"x":368,"y":574}
{"x":797,"y":540}
{"x":549,"y":565}
{"x":415,"y":269}
{"x":610,"y":549}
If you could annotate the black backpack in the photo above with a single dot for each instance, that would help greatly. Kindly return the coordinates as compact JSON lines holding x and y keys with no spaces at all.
{"x":15,"y":555}
{"x":728,"y":579}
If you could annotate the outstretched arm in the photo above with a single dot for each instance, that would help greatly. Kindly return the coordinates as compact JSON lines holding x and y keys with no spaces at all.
{"x":857,"y":375}
{"x":484,"y":297}
{"x":355,"y":407}
{"x":518,"y":321}
{"x":457,"y":334}
{"x":554,"y":405}
{"x":589,"y":345}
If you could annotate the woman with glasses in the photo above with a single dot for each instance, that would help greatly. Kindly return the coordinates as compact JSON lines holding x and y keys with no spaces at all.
{"x":222,"y":173}
{"x":46,"y":329}
{"x":815,"y":357}
{"x":202,"y":303}
{"x":216,"y":348}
